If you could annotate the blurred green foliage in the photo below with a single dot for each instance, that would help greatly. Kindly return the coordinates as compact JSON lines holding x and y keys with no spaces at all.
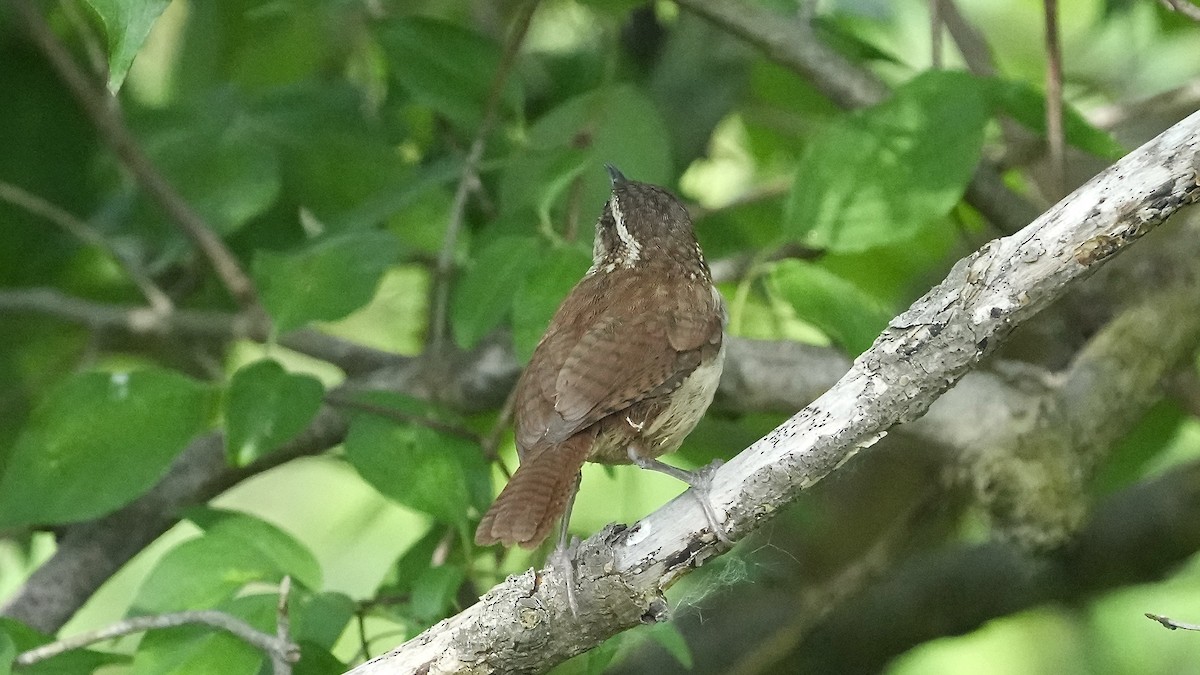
{"x":323,"y":141}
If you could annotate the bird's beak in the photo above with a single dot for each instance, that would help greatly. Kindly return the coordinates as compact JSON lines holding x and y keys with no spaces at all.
{"x":615,"y":175}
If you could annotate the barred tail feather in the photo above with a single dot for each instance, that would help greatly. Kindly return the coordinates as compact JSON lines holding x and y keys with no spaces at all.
{"x":536,"y":495}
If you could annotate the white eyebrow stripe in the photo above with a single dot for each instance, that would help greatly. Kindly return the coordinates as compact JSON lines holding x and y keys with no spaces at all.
{"x":633,"y":249}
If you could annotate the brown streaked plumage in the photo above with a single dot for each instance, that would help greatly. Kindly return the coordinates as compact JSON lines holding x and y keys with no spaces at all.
{"x":628,"y":364}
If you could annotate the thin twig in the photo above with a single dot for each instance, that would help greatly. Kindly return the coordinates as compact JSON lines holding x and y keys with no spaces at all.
{"x":491,"y":442}
{"x":737,"y":267}
{"x":1172,"y":624}
{"x":280,"y":661}
{"x":111,"y":127}
{"x":87,"y":234}
{"x":134,"y":320}
{"x":1054,"y":102}
{"x":976,"y":52}
{"x":458,"y":208}
{"x":364,"y":645}
{"x":352,"y":358}
{"x":401,"y":416}
{"x":1183,"y":7}
{"x":207,"y":617}
{"x":935,"y":34}
{"x":574,"y":197}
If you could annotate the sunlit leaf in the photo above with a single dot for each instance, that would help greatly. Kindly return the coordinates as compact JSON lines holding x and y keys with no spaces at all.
{"x":126,"y":23}
{"x":8,"y":653}
{"x":850,"y":317}
{"x":668,"y":637}
{"x":324,"y":281}
{"x":1027,"y":105}
{"x":880,"y":175}
{"x":236,"y":550}
{"x":274,"y":544}
{"x":229,"y":179}
{"x":434,"y":592}
{"x":615,"y":124}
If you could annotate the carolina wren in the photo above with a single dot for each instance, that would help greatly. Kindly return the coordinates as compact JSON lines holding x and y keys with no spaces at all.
{"x":625,"y":370}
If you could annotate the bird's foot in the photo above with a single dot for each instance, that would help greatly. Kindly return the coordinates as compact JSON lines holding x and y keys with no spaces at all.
{"x":700,"y":481}
{"x":562,"y":560}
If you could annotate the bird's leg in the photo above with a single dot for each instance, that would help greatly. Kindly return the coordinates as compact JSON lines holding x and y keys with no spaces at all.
{"x":562,"y":559}
{"x":700,"y":481}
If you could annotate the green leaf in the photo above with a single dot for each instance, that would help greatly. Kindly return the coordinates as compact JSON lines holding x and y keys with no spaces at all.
{"x":418,"y":467}
{"x":229,"y":179}
{"x":195,"y":650}
{"x":434,"y":592}
{"x":667,"y":635}
{"x":882,"y":174}
{"x":235,"y":550}
{"x":542,"y":293}
{"x":8,"y":653}
{"x":597,"y":660}
{"x":1128,"y":460}
{"x":202,"y":573}
{"x":335,"y":163}
{"x":265,"y":407}
{"x":98,"y":441}
{"x":412,"y":563}
{"x":126,"y":23}
{"x":850,"y":317}
{"x":320,"y":618}
{"x":485,"y":295}
{"x":1027,"y":105}
{"x":444,"y":66}
{"x":316,"y":660}
{"x":325,"y":281}
{"x":617,"y":124}
{"x":287,"y":554}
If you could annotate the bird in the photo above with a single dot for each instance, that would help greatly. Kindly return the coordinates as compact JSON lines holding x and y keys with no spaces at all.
{"x":625,"y":370}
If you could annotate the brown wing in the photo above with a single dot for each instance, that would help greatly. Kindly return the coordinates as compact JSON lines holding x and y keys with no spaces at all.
{"x":610,"y":353}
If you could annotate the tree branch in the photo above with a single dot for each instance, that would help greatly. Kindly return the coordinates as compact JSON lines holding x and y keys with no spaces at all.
{"x":1055,"y":135}
{"x":353,"y":358}
{"x":1172,"y":624}
{"x":279,"y":648}
{"x":523,"y":625}
{"x":469,"y":178}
